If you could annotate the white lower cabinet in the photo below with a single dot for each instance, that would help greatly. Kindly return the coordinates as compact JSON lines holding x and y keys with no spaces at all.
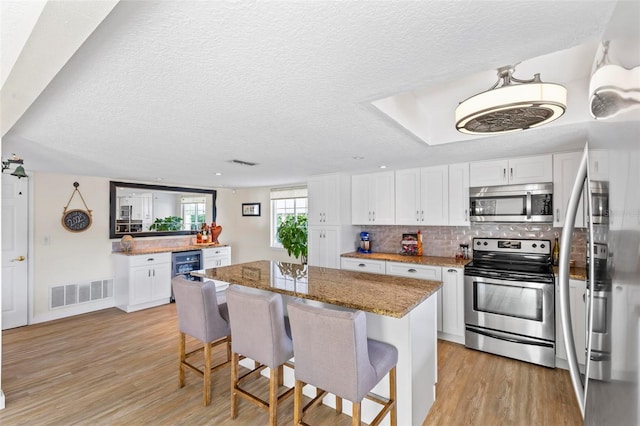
{"x":216,"y":256}
{"x":327,"y":242}
{"x":413,"y":270}
{"x":363,"y":265}
{"x":452,"y":304}
{"x":450,"y":297}
{"x":577,"y":295}
{"x":142,"y":281}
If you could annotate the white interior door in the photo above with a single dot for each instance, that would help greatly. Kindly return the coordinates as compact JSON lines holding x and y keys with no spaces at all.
{"x":15,"y":295}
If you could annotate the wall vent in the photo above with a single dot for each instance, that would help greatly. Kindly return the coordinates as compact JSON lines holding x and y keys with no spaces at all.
{"x":73,"y":294}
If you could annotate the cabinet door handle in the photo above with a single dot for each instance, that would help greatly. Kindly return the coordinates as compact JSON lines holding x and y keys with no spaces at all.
{"x":422,"y":215}
{"x":151,"y":259}
{"x":417,"y":216}
{"x":362,"y":265}
{"x":374,"y":216}
{"x":511,"y":173}
{"x":154,"y":272}
{"x":504,"y":174}
{"x":411,"y":270}
{"x":452,"y":270}
{"x":149,"y":272}
{"x":557,"y":215}
{"x":466,"y":215}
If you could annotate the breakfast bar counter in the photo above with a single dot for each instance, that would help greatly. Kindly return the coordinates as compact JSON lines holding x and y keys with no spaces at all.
{"x":379,"y":294}
{"x":399,"y":311}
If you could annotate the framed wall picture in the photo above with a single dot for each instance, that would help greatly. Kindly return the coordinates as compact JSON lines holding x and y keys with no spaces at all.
{"x":250,"y":209}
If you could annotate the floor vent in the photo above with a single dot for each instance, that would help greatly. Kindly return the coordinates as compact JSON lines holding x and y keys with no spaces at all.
{"x":73,"y":294}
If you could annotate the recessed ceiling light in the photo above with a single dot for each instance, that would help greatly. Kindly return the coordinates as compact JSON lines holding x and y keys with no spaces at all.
{"x":383,"y":167}
{"x":358,"y":158}
{"x":218,"y":174}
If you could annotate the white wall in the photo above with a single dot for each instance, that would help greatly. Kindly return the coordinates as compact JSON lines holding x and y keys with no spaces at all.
{"x":249,"y":236}
{"x":69,"y":257}
{"x":72,"y":258}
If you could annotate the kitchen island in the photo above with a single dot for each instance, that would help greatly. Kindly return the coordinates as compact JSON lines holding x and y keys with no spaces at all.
{"x":399,"y":311}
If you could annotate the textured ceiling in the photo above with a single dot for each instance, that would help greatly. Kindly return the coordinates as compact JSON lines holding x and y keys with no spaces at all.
{"x":177,"y":89}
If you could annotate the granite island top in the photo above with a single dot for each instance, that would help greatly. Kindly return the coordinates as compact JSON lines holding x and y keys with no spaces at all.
{"x":449,"y":262}
{"x":152,"y":250}
{"x":379,"y":294}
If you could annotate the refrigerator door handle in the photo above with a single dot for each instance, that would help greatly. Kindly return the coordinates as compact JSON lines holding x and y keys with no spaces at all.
{"x":563,"y":278}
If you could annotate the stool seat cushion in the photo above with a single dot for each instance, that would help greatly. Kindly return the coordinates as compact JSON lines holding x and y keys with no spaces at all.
{"x":258,"y":326}
{"x":332,"y":351}
{"x":199,"y":314}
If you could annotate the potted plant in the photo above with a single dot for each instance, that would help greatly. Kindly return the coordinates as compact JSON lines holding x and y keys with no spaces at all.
{"x":169,"y":223}
{"x":292,"y":233}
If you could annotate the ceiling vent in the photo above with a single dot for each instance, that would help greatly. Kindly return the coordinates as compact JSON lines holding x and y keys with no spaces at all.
{"x":243,"y":163}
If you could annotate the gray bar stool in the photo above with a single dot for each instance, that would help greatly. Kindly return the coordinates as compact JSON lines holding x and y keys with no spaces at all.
{"x":260,"y":332}
{"x":200,"y":316}
{"x":333,"y":354}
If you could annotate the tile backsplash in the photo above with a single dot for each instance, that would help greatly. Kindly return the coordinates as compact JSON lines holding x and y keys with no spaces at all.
{"x":444,"y":240}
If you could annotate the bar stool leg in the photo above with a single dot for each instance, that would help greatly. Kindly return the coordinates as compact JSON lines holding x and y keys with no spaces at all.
{"x":207,"y":373}
{"x":297,"y":402}
{"x":338,"y":404}
{"x":355,"y":415}
{"x":181,"y":350}
{"x":273,"y":395}
{"x":392,"y":396}
{"x":235,"y":358}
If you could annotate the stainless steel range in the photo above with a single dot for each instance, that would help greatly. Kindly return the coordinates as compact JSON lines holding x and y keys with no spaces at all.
{"x":509,"y":293}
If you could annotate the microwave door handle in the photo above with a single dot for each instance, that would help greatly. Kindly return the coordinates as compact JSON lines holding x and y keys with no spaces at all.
{"x":563,"y":278}
{"x":528,"y":205}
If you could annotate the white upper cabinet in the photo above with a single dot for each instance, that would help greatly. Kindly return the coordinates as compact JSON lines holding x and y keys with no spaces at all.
{"x":422,"y":196}
{"x":565,"y":168}
{"x":408,"y":202}
{"x":459,"y":194}
{"x":533,"y":169}
{"x":373,"y":199}
{"x":435,"y":195}
{"x":329,"y":199}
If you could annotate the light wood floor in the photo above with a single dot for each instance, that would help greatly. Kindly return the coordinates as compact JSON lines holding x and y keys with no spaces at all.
{"x":109,"y":367}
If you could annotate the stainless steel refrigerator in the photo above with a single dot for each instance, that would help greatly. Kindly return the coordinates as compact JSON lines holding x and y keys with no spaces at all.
{"x":609,"y":182}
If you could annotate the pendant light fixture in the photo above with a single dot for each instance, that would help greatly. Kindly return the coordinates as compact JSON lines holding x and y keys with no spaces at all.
{"x":511,"y":107}
{"x":19,"y":171}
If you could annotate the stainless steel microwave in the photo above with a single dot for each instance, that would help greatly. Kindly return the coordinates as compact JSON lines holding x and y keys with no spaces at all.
{"x":532,"y":202}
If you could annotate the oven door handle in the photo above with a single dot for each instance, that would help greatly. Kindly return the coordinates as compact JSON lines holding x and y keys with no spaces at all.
{"x":509,"y":283}
{"x":506,"y":338}
{"x":529,"y":205}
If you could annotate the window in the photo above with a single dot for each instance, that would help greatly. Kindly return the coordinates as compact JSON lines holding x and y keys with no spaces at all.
{"x":193,"y":213}
{"x":284,"y":202}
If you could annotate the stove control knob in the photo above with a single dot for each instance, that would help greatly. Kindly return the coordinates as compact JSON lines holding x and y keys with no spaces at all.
{"x":486,"y":243}
{"x":541,"y":246}
{"x":478,"y":243}
{"x":534,"y":245}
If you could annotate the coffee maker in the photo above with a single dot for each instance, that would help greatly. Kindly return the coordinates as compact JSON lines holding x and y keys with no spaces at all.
{"x":365,"y":243}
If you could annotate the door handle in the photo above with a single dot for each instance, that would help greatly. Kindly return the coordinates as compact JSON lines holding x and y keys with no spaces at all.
{"x":19,"y":259}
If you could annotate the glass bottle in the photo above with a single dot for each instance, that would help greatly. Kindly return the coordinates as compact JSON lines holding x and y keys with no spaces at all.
{"x":555,"y":254}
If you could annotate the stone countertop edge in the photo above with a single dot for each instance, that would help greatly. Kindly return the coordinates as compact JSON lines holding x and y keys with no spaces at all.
{"x":575,"y":273}
{"x":449,"y":262}
{"x":385,"y":295}
{"x":152,"y":250}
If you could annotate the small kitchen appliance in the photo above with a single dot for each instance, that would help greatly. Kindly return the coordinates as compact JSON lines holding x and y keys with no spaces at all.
{"x":365,"y":243}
